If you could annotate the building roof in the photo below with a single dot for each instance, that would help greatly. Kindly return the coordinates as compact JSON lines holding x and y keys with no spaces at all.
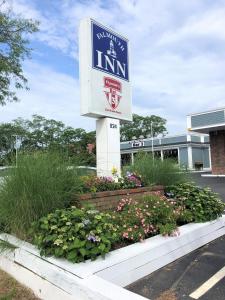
{"x":166,"y":141}
{"x":205,"y":122}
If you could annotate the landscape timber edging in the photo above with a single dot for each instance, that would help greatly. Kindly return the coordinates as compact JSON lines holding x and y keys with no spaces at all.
{"x":108,"y":200}
{"x":94,"y":279}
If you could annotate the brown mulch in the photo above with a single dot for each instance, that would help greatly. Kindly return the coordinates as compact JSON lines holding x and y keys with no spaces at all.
{"x":10,"y":289}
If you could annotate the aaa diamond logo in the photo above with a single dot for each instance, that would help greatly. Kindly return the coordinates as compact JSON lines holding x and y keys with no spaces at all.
{"x":114,"y":89}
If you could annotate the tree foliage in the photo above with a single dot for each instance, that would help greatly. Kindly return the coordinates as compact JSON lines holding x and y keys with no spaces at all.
{"x":14,"y":48}
{"x":40,"y":133}
{"x":141,"y":127}
{"x":8,"y":138}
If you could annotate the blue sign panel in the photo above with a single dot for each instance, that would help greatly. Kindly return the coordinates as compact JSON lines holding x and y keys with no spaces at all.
{"x":109,"y":52}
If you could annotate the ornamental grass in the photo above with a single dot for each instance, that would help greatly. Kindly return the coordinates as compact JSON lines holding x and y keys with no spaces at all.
{"x":156,"y":171}
{"x":41,"y":183}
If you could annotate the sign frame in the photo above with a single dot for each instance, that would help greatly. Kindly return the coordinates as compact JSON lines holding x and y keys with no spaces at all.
{"x":97,"y":100}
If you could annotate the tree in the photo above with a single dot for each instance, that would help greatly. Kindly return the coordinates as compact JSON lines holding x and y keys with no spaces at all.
{"x":40,"y":133}
{"x":71,"y":135}
{"x":13,"y":50}
{"x":141,"y":127}
{"x":76,"y":141}
{"x":8,"y":138}
{"x":43,"y":133}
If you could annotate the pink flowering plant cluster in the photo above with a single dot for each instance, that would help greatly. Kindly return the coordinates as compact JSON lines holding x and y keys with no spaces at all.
{"x":153,"y":215}
{"x":93,"y":184}
{"x":131,"y":180}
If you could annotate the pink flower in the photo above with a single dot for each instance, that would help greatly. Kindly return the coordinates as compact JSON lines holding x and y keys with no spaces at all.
{"x":125,"y":235}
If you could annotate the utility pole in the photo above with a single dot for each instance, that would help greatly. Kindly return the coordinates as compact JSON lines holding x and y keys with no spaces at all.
{"x":153,"y":156}
{"x":16,"y":136}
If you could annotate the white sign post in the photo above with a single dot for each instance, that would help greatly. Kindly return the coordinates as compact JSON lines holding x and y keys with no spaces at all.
{"x":108,"y":146}
{"x":105,"y":89}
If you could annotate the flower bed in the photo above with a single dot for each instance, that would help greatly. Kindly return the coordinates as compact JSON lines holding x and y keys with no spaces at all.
{"x":85,"y":233}
{"x":56,"y":279}
{"x":81,"y":234}
{"x":108,"y":200}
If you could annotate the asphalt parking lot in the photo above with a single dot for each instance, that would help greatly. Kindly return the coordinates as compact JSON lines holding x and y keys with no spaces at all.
{"x":184,"y":276}
{"x":198,"y":275}
{"x":217,"y":184}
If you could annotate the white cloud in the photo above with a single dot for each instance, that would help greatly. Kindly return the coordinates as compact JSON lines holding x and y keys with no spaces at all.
{"x":52,"y":27}
{"x":178,"y":55}
{"x":208,"y":24}
{"x":177,"y":86}
{"x":53,"y":95}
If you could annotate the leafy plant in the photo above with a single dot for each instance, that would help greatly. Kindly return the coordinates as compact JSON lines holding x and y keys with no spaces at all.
{"x":139,"y":220}
{"x":14,"y":49}
{"x":40,"y":184}
{"x":156,"y":171}
{"x":201,"y":203}
{"x":76,"y":234}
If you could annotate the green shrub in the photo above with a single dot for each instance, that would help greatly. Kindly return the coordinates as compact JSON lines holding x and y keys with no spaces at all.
{"x":201,"y":203}
{"x":75,"y":234}
{"x":153,"y":215}
{"x":40,"y":184}
{"x":156,"y":171}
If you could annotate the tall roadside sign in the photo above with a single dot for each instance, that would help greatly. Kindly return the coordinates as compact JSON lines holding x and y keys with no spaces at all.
{"x":105,"y":88}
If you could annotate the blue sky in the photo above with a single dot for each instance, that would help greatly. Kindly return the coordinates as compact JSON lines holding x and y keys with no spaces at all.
{"x":177,"y":57}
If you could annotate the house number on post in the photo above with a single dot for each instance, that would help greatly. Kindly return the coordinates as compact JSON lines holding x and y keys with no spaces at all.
{"x":113,"y":125}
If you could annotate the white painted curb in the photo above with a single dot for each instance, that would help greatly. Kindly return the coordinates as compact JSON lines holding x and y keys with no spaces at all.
{"x":213,"y":175}
{"x":103,"y":279}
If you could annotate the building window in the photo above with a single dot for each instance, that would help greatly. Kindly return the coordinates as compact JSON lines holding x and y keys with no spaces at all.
{"x":171,"y":153}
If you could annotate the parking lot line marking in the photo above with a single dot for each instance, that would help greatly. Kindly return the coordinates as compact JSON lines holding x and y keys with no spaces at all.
{"x":208,"y":284}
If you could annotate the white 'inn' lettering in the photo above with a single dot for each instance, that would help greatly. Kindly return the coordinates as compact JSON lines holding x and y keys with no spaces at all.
{"x":110,"y":64}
